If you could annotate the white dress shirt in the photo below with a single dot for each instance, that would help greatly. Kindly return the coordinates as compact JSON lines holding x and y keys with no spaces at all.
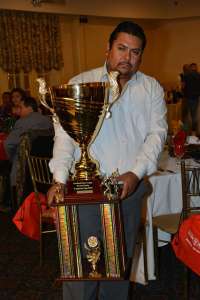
{"x":131,"y":140}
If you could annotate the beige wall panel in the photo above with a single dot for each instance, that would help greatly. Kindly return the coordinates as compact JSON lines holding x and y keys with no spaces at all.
{"x":96,"y":33}
{"x":176,"y":43}
{"x":96,"y":36}
{"x":170,"y":44}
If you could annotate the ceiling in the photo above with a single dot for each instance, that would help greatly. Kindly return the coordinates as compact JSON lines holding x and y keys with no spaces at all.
{"x":145,"y":9}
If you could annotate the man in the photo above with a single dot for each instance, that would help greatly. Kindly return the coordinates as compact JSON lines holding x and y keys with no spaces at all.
{"x":130,"y":141}
{"x":192,"y":92}
{"x":30,"y":119}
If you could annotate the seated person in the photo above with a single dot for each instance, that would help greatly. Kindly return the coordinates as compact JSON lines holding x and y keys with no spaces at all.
{"x":30,"y":119}
{"x":5,"y":111}
{"x":12,"y":111}
{"x":6,"y":107}
{"x":17,"y":95}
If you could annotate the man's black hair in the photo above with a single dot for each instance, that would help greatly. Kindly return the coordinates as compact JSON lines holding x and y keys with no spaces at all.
{"x":30,"y":102}
{"x":130,"y":28}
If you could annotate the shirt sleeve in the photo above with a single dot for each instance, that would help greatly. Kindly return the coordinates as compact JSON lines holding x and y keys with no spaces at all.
{"x":146,"y":161}
{"x":63,"y":154}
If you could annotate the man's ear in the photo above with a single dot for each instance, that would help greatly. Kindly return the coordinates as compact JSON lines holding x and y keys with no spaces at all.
{"x":107,"y":49}
{"x":30,"y":109}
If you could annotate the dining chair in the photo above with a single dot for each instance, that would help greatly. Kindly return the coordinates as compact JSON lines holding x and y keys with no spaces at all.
{"x":190,"y":181}
{"x":39,"y":143}
{"x":41,"y":180}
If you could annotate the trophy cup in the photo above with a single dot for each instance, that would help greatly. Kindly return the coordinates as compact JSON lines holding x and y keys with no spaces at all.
{"x":81,"y":109}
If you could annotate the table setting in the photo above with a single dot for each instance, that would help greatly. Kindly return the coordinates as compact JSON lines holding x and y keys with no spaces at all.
{"x":166,"y":196}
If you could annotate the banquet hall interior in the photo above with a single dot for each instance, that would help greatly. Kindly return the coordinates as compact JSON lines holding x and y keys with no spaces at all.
{"x":56,"y":40}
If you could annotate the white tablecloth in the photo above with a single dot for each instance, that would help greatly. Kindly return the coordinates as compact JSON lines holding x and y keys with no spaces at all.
{"x":165,"y":198}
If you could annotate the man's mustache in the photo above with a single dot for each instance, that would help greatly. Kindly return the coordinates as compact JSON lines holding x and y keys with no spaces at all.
{"x":125,"y":63}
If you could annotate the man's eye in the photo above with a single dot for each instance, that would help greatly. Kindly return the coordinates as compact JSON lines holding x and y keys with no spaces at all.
{"x":121,"y":48}
{"x":136,"y":51}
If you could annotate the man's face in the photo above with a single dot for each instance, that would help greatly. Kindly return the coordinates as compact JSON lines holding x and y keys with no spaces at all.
{"x":125,"y":54}
{"x":24,"y":110}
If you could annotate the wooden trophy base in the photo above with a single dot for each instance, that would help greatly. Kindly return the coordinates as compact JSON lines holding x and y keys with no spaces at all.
{"x":73,"y":263}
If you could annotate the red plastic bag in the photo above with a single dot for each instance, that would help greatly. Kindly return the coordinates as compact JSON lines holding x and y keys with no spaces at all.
{"x":186,"y":243}
{"x":27,"y":218}
{"x":3,"y":137}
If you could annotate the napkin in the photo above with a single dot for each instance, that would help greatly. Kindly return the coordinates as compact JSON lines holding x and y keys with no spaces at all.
{"x":193,"y":139}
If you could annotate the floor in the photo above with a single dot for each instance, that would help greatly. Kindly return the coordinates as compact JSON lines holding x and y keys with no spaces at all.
{"x":21,"y":277}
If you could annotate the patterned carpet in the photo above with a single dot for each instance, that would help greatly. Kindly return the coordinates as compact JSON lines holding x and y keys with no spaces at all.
{"x":21,"y":277}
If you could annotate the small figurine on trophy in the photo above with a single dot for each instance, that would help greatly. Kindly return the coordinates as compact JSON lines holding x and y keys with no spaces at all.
{"x":93,"y":254}
{"x":111,"y":187}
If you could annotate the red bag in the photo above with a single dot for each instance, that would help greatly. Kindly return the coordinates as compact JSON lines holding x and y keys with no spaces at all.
{"x":186,"y":243}
{"x":27,"y":218}
{"x":3,"y":155}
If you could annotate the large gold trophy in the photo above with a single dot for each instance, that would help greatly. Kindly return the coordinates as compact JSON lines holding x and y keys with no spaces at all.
{"x":81,"y":109}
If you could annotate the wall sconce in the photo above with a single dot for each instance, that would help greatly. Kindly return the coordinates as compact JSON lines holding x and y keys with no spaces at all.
{"x":39,"y":2}
{"x":36,"y":2}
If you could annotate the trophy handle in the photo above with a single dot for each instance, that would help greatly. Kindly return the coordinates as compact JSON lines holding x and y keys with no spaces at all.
{"x":42,"y":94}
{"x":113,"y":88}
{"x":100,"y":122}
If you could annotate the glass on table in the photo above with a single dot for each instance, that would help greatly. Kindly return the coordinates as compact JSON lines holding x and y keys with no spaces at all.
{"x":179,"y":151}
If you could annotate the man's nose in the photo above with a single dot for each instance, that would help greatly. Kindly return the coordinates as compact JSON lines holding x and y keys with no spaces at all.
{"x":127,"y":54}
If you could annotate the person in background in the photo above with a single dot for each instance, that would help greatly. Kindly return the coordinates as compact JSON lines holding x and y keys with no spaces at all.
{"x":6,"y":107}
{"x":130,"y":141}
{"x":186,"y":70}
{"x":29,"y":119}
{"x":17,"y":95}
{"x":191,"y":85}
{"x":5,"y":112}
{"x":185,"y":111}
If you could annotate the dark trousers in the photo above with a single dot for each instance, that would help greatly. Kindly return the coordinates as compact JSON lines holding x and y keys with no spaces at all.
{"x":193,"y":105}
{"x":90,"y":220}
{"x":5,"y":189}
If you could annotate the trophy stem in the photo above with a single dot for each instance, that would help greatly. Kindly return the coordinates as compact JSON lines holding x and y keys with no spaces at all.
{"x":86,"y":169}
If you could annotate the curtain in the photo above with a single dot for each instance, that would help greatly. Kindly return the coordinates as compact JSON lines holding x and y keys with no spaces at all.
{"x":29,"y":41}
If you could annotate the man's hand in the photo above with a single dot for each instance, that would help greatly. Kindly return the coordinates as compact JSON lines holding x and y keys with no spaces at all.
{"x":130,"y":182}
{"x":56,"y":192}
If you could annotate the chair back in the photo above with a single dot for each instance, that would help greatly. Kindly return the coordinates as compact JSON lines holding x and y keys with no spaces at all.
{"x":39,"y":171}
{"x":38,"y":143}
{"x":190,"y":177}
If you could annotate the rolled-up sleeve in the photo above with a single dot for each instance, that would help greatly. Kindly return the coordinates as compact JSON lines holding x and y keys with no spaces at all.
{"x":63,"y":154}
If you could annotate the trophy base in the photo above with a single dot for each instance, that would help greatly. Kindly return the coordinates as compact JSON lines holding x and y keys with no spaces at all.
{"x":60,"y":280}
{"x":74,"y":265}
